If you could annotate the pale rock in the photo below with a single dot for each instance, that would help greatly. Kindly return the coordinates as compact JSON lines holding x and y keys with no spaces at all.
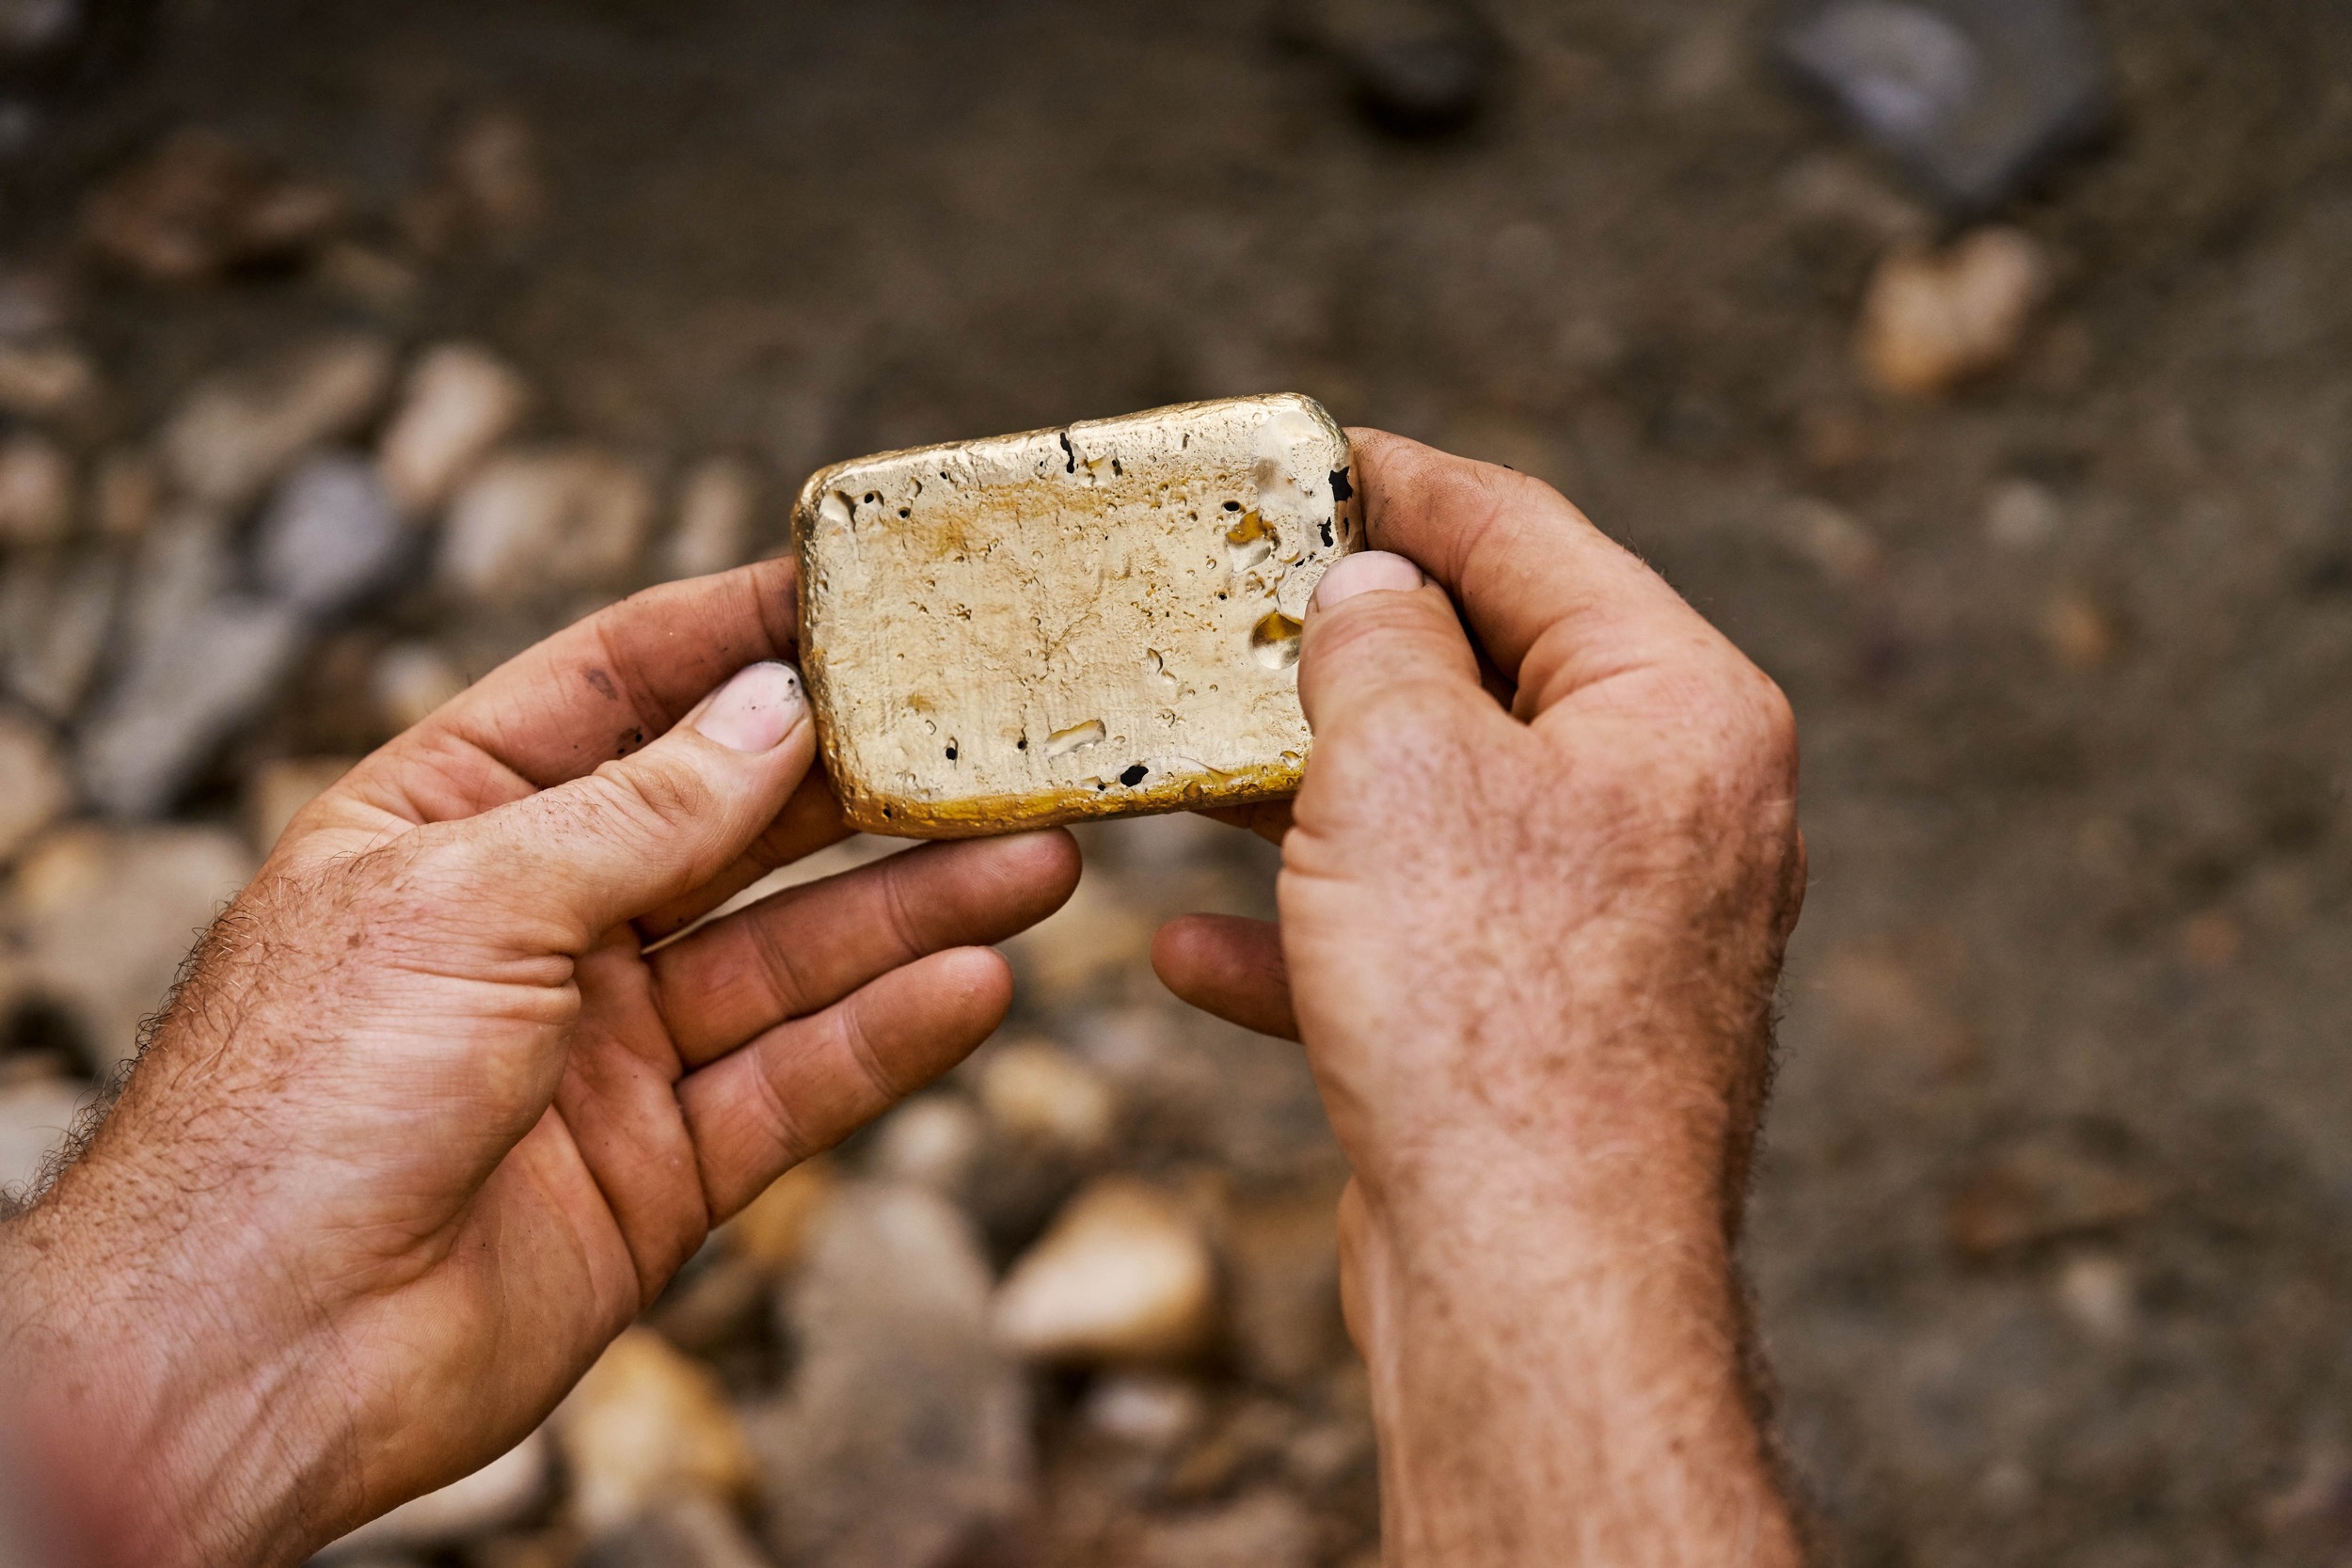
{"x":1264,"y":1528}
{"x":690,"y":1532}
{"x":330,"y":536}
{"x":460,"y":400}
{"x":36,"y":491}
{"x":281,"y":787}
{"x":411,"y":679}
{"x":539,"y":521}
{"x":1036,"y":1093}
{"x":182,"y":694}
{"x":45,"y":381}
{"x":773,"y":1230}
{"x":932,"y":1140}
{"x":904,"y":1441}
{"x":717,"y":503}
{"x":2020,"y":514}
{"x":367,"y":278}
{"x":237,"y":433}
{"x":645,"y":1425}
{"x":1146,"y":1410}
{"x":2096,"y":1290}
{"x":1831,"y":539}
{"x":1933,"y":319}
{"x":127,"y":494}
{"x":1124,"y":1275}
{"x":187,"y":562}
{"x":201,"y":204}
{"x":54,"y":616}
{"x":108,"y":916}
{"x":1091,"y":939}
{"x":501,"y":1494}
{"x":34,"y":789}
{"x":35,"y":1120}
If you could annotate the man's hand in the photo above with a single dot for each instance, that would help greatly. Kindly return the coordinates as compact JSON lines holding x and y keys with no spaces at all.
{"x":426,"y":1124}
{"x":1532,"y":912}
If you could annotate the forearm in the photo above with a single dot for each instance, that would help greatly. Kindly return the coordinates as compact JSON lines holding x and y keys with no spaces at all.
{"x":1560,"y":1371}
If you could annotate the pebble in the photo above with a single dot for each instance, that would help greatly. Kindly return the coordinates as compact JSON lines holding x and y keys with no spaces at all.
{"x":772,"y":1230}
{"x":411,"y":679}
{"x":2021,"y":515}
{"x":542,"y":520}
{"x":277,"y":789}
{"x":932,"y":1140}
{"x":1264,"y":1528}
{"x":1091,"y":939}
{"x":330,"y":536}
{"x":690,"y":1532}
{"x":2041,"y":1188}
{"x":46,"y":381}
{"x":236,"y":433}
{"x":1124,"y":1275}
{"x":646,"y":1425}
{"x":107,"y":916}
{"x":185,"y":691}
{"x":1933,"y":319}
{"x":501,"y":1494}
{"x":1833,"y":541}
{"x":35,"y":1118}
{"x":34,"y":789}
{"x":55,"y":617}
{"x":904,"y":1440}
{"x":1036,"y":1093}
{"x":202,"y":204}
{"x":36,"y":491}
{"x":460,"y":400}
{"x":1146,"y":1410}
{"x":127,"y":495}
{"x":718,"y":502}
{"x":2079,"y":631}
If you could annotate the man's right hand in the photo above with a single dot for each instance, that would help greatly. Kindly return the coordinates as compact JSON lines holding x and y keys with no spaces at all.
{"x":1532,"y":915}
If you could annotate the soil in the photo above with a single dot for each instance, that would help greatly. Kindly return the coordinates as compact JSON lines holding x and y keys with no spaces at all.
{"x":2052,"y":1239}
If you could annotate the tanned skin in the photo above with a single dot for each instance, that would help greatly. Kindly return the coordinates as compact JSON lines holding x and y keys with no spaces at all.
{"x":427,"y":1124}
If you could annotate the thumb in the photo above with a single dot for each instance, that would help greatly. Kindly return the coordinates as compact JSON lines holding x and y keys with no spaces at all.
{"x":646,"y":828}
{"x":1379,"y":630}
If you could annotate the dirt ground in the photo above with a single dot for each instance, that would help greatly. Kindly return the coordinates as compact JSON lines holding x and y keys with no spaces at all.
{"x":2053,"y":1234}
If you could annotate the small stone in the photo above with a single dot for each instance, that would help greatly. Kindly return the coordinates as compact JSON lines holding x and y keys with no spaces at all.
{"x":545,"y":520}
{"x":36,"y":491}
{"x":55,"y":617}
{"x":934,"y":1141}
{"x":493,"y":165}
{"x":46,"y":381}
{"x":904,"y":1441}
{"x":645,"y":1425}
{"x":460,"y":400}
{"x":1933,"y":319}
{"x":501,"y":1494}
{"x":411,"y":680}
{"x":1094,"y":937}
{"x":2211,"y":941}
{"x":277,"y":789}
{"x":690,"y":1532}
{"x":235,"y":434}
{"x":1832,"y":540}
{"x":107,"y":916}
{"x":2096,"y":1291}
{"x":1123,"y":1276}
{"x":35,"y":1120}
{"x":2044,"y":1188}
{"x":34,"y":789}
{"x":1036,"y":1093}
{"x":201,"y":205}
{"x":330,"y":536}
{"x":2021,"y":516}
{"x":773,"y":1230}
{"x":2079,"y":631}
{"x":1146,"y":1410}
{"x":127,"y":494}
{"x":185,"y":692}
{"x":1264,"y":1528}
{"x":717,"y":504}
{"x":367,"y":278}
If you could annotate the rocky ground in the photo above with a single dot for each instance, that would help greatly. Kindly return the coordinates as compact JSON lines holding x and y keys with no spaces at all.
{"x":345,"y":350}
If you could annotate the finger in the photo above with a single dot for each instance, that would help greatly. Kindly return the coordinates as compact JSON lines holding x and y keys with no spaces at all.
{"x":810,"y":821}
{"x":587,"y":855}
{"x":1557,"y":605}
{"x":1229,"y":966}
{"x":803,"y":1087}
{"x":599,"y":689}
{"x":1268,"y":819}
{"x":807,"y":947}
{"x":1380,"y":633}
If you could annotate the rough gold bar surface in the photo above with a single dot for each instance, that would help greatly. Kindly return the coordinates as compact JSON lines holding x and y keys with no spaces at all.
{"x":1096,"y":620}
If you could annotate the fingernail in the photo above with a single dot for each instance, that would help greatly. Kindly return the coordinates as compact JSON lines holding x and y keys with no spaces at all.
{"x":1366,"y":571}
{"x":757,"y":708}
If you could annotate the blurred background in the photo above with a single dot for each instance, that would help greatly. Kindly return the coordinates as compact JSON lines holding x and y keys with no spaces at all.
{"x":1980,"y":367}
